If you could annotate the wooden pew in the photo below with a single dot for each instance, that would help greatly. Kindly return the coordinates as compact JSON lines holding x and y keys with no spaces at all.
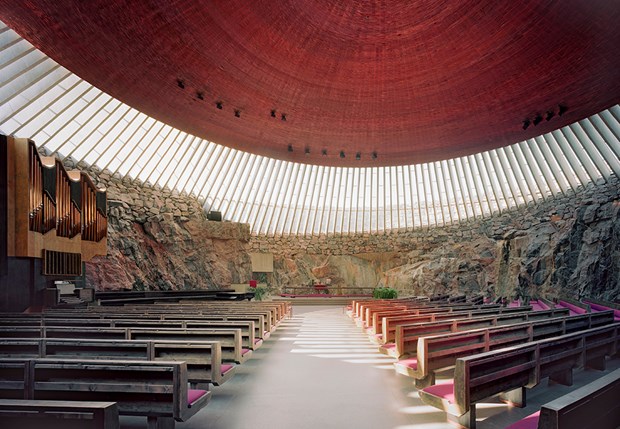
{"x":262,"y":319}
{"x":597,"y":305}
{"x":594,"y":405}
{"x":407,"y":335}
{"x":248,"y":340}
{"x":575,"y":307}
{"x":157,"y":390}
{"x":387,"y":324}
{"x":262,"y":325}
{"x":273,"y":314}
{"x":367,"y":317}
{"x":230,"y":339}
{"x":356,"y":305}
{"x":262,"y":329}
{"x":510,"y":370}
{"x":377,"y":317}
{"x":281,"y":309}
{"x":33,"y":414}
{"x":374,"y":317}
{"x":204,"y":359}
{"x":437,"y":352}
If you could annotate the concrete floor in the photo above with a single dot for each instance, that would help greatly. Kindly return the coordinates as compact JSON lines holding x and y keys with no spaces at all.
{"x":318,"y":370}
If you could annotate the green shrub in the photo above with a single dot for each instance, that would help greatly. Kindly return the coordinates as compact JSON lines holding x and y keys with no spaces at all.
{"x":260,"y":292}
{"x":385,"y":293}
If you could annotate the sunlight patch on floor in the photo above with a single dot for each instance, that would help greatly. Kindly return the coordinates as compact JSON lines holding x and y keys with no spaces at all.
{"x":420,"y":409}
{"x":329,"y":350}
{"x":366,"y":361}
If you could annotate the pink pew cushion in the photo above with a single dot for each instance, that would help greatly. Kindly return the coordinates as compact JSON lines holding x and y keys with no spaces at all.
{"x":257,"y":341}
{"x":411,"y":362}
{"x":444,"y":391}
{"x":193,"y":395}
{"x":572,"y":309}
{"x":598,"y":307}
{"x":529,"y":422}
{"x":538,"y":305}
{"x":225,"y":368}
{"x":389,"y":346}
{"x":245,"y":351}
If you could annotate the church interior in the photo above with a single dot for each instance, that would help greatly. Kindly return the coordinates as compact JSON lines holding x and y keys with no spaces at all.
{"x":379,"y":214}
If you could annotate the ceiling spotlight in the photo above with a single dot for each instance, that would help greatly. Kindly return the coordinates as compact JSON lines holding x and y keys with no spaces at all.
{"x":290,"y":148}
{"x":283,"y":116}
{"x":181,"y":83}
{"x":219,"y":105}
{"x":374,"y":155}
{"x":307,"y":151}
{"x":537,"y":119}
{"x":237,"y":113}
{"x":550,"y":114}
{"x":358,"y":156}
{"x":341,"y":154}
{"x":526,"y":124}
{"x":273,"y":113}
{"x":200,"y":96}
{"x":324,"y":152}
{"x":562,"y":109}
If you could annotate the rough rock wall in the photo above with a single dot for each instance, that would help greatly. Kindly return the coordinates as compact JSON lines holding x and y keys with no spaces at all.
{"x":568,"y":245}
{"x":160,"y":240}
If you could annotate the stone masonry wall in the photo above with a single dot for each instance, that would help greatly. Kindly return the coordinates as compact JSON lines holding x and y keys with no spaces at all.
{"x":160,"y":240}
{"x":567,"y":245}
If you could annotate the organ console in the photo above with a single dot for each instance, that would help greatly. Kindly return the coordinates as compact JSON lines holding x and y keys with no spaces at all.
{"x":52,"y":214}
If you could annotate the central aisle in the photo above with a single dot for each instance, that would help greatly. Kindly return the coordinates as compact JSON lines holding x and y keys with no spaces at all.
{"x":318,"y":370}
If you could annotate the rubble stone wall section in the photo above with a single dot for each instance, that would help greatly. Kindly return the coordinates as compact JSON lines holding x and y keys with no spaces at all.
{"x":565,"y":245}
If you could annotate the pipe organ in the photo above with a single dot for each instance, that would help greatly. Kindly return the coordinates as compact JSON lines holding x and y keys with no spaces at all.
{"x":52,"y":214}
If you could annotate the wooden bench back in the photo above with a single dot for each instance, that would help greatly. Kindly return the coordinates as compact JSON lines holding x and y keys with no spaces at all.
{"x":26,"y":414}
{"x":261,"y":319}
{"x":406,"y":336}
{"x":441,"y":351}
{"x":594,"y":405}
{"x":483,"y":375}
{"x":229,"y":339}
{"x":357,"y":303}
{"x":260,"y":323}
{"x":270,"y":314}
{"x":204,"y":359}
{"x":389,"y":324}
{"x":246,"y":327}
{"x":139,"y":388}
{"x":378,"y":325}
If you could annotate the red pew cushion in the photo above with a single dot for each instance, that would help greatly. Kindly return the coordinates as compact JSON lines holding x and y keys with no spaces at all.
{"x":411,"y":362}
{"x":225,"y":368}
{"x":193,"y":395}
{"x":444,"y":391}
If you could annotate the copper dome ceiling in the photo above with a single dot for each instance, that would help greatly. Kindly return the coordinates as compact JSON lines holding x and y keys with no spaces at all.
{"x":313,"y":81}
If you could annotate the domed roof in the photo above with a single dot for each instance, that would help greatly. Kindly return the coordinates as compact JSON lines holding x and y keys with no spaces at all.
{"x":341,"y":83}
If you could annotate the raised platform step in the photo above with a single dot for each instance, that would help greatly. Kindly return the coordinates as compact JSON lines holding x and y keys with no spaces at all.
{"x":299,"y":300}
